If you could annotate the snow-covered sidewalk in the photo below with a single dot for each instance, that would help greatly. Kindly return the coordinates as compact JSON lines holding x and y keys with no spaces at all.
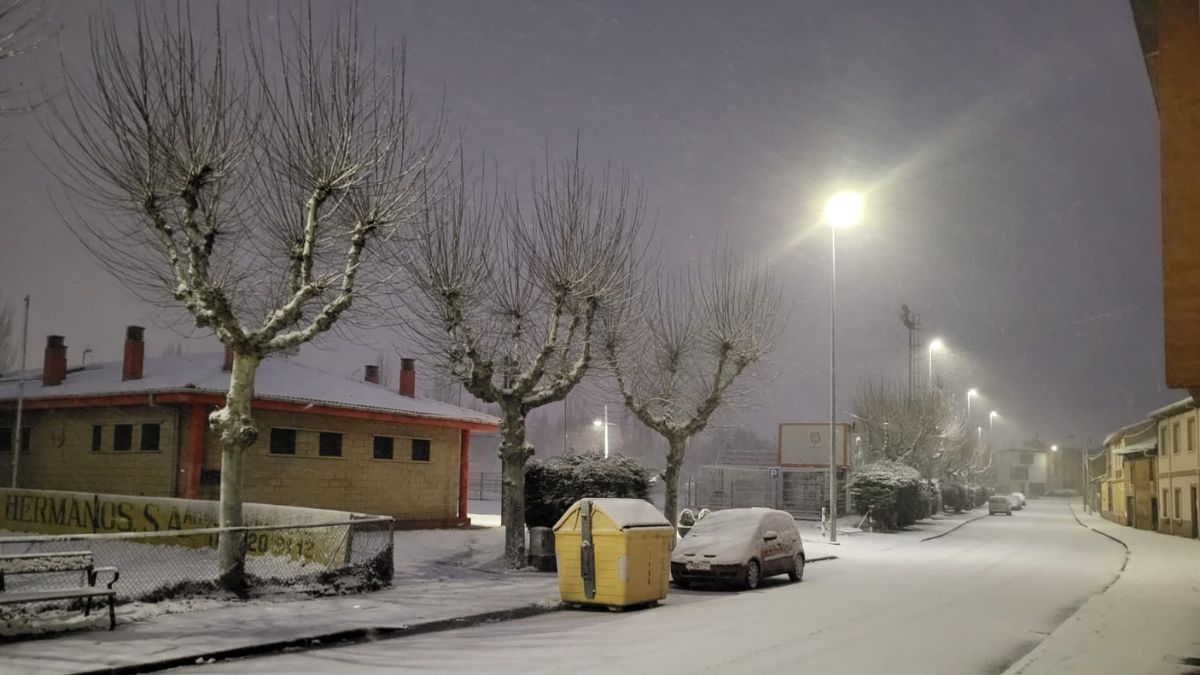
{"x":1146,"y":622}
{"x":442,"y":576}
{"x":854,"y":542}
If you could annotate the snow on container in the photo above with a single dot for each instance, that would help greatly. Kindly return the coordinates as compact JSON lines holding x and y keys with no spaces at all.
{"x":613,"y":552}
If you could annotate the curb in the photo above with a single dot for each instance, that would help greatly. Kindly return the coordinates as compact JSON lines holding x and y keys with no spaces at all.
{"x":821,"y":558}
{"x":1125,"y":546}
{"x":334,"y":639}
{"x":955,"y":528}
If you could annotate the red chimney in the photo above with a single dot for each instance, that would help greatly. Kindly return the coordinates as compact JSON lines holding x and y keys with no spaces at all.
{"x":54,"y":368}
{"x":135,"y":353}
{"x":408,"y":378}
{"x":371,"y":374}
{"x":228,"y":365}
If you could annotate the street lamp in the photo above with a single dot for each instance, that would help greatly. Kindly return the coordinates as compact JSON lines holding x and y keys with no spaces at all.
{"x":991,"y":426}
{"x":843,"y":209}
{"x":935,"y":346}
{"x":1054,"y":448}
{"x":971,"y":393}
{"x":603,"y":424}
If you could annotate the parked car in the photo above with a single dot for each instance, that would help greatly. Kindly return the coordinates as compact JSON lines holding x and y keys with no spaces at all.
{"x":1018,"y":500}
{"x":999,"y":504}
{"x":739,"y":546}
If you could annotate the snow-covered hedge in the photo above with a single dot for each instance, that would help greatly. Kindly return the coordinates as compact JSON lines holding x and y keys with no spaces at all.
{"x":552,"y":485}
{"x":890,"y":491}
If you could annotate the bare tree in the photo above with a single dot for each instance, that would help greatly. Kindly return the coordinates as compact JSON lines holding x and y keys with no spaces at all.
{"x":23,"y":27}
{"x":506,"y":298}
{"x":256,"y":194}
{"x":677,"y":360}
{"x":926,"y":430}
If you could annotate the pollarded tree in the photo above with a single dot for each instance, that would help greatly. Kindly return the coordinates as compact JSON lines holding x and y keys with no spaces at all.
{"x":506,"y":298}
{"x":677,"y":354}
{"x":256,"y":193}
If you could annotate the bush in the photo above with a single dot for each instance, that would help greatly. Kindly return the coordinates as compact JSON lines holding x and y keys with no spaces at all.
{"x":955,"y":497}
{"x":927,"y":499}
{"x":552,"y":485}
{"x":890,"y":491}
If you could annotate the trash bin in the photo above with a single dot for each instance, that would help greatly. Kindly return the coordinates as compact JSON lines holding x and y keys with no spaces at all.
{"x":613,"y":552}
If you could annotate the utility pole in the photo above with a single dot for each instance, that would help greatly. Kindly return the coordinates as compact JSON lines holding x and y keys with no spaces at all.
{"x":912,"y":322}
{"x":18,"y":439}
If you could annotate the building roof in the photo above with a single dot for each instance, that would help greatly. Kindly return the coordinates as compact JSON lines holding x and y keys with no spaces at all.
{"x":278,"y":379}
{"x":1148,"y":445}
{"x":1135,"y":429}
{"x":1182,"y":405}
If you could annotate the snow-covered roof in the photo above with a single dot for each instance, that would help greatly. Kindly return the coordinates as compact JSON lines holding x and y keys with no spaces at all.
{"x":1141,"y":446}
{"x":1182,"y":405}
{"x":278,"y":379}
{"x":1135,"y":429}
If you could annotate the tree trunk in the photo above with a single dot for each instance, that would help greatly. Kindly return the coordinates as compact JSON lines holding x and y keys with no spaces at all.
{"x":514,"y":452}
{"x":235,"y":428}
{"x":671,"y":476}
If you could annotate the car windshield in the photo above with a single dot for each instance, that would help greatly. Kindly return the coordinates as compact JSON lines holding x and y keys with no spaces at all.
{"x":726,"y":524}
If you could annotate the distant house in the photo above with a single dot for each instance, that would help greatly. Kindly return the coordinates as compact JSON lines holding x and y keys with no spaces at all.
{"x":1127,"y":489}
{"x":139,"y":427}
{"x":1023,"y":470}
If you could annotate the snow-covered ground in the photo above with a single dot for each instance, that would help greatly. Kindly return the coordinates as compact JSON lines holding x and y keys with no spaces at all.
{"x":1148,"y":622}
{"x":971,"y":602}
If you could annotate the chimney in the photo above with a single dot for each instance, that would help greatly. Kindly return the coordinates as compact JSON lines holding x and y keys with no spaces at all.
{"x":371,"y":374}
{"x":135,"y":353}
{"x":408,"y":378}
{"x":54,"y":368}
{"x":228,"y":365}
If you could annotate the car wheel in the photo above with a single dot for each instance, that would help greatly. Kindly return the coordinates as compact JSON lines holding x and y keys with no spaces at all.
{"x":797,"y":573}
{"x":752,"y":575}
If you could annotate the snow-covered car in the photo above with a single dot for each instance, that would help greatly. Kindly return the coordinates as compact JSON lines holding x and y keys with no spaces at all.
{"x":1018,"y":500}
{"x":999,"y":504}
{"x":739,"y":546}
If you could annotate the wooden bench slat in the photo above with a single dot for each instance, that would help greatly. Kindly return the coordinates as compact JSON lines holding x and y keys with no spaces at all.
{"x":48,"y":554}
{"x":57,"y":594}
{"x":29,"y":563}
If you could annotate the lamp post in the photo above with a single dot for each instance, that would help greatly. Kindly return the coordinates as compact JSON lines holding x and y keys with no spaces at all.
{"x":971,"y":393}
{"x":935,"y":346}
{"x":604,"y":424}
{"x":843,"y":209}
{"x":991,"y":426}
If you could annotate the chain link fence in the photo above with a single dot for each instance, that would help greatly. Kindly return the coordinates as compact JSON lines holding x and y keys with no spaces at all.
{"x":318,"y":559}
{"x":486,"y":486}
{"x":801,"y":492}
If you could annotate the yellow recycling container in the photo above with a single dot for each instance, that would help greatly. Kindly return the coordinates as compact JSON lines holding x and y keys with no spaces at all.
{"x":613,"y":552}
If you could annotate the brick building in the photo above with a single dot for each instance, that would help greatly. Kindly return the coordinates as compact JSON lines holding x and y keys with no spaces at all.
{"x":139,"y":427}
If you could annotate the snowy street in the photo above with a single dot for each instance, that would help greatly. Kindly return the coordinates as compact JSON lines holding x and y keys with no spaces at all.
{"x":975,"y":601}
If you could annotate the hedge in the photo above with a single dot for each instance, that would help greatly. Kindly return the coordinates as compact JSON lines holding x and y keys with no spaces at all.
{"x":890,"y":491}
{"x":552,"y":485}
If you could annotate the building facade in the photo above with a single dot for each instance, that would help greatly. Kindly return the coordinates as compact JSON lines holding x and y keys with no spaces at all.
{"x":140,"y":427}
{"x":1127,"y":488}
{"x":1023,"y":470}
{"x":1178,"y":471}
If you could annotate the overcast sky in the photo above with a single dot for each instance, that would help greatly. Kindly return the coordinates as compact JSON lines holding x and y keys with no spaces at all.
{"x":1007,"y":150}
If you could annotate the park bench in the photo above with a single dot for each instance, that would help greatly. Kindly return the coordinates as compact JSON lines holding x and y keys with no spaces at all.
{"x":55,"y":563}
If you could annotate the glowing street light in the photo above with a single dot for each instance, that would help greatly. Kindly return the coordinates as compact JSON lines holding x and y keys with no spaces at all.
{"x":935,"y":346}
{"x":1054,"y":448}
{"x":603,"y":424}
{"x":843,"y":209}
{"x":971,"y":393}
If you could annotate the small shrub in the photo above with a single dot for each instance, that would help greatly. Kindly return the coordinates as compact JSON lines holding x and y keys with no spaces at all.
{"x":954,"y":497}
{"x":890,"y":491}
{"x":552,"y":485}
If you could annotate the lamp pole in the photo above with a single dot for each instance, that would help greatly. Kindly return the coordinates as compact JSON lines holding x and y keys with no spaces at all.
{"x":604,"y":424}
{"x":841,"y":210}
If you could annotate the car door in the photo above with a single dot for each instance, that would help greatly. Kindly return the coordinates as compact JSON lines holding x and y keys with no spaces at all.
{"x":776,"y":554}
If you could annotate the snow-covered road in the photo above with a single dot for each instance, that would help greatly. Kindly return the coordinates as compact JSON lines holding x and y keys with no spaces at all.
{"x":972,"y":602}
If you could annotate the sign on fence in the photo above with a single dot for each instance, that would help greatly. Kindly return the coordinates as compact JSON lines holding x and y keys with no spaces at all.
{"x":55,"y":512}
{"x":806,"y":444}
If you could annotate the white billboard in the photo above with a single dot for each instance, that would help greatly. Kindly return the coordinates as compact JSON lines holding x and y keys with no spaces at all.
{"x":807,"y":444}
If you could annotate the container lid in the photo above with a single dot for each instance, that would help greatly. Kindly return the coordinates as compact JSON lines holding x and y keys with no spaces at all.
{"x":624,"y":513}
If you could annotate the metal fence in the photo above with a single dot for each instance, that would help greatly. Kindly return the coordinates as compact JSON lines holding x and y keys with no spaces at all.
{"x":485,"y":486}
{"x":801,"y":492}
{"x":322,"y":558}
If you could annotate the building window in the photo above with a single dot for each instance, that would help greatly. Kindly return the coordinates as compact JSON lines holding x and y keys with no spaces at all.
{"x":1175,"y":438}
{"x":150,"y":436}
{"x":1176,"y":505}
{"x":420,"y":450}
{"x":283,"y":441}
{"x":6,"y":440}
{"x":384,"y":447}
{"x":1166,"y":505}
{"x":123,"y":437}
{"x":97,"y":437}
{"x":1018,"y":473}
{"x":330,"y":444}
{"x":1027,"y":458}
{"x":1191,"y":435}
